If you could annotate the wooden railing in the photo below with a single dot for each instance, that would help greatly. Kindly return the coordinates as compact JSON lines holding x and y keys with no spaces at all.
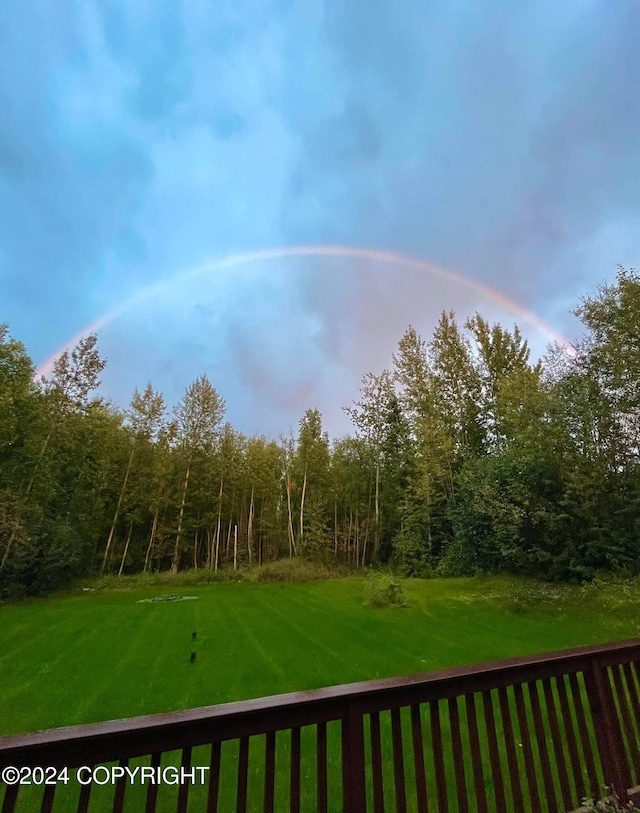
{"x":528,"y":734}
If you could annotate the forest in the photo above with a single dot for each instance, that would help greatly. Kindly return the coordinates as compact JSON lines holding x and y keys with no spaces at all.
{"x":465,"y":457}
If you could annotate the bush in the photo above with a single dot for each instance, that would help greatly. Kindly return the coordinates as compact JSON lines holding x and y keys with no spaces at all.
{"x":44,"y":561}
{"x":382,"y":590}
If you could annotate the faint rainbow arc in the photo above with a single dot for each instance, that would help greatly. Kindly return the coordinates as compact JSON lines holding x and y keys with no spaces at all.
{"x":375,"y":255}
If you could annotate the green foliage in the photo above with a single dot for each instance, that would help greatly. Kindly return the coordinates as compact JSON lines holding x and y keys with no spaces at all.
{"x":16,"y":397}
{"x":381,"y":590}
{"x":488,"y":518}
{"x":295,"y":569}
{"x":75,"y":375}
{"x":198,"y":416}
{"x":410,"y":551}
{"x":46,"y":560}
{"x":467,"y":458}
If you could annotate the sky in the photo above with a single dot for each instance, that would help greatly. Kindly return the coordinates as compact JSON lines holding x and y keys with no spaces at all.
{"x":142,"y":140}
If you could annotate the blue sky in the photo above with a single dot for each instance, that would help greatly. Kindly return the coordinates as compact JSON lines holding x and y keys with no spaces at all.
{"x":140,"y":139}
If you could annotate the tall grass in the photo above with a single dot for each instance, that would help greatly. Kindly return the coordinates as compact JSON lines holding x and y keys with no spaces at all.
{"x":283,"y":570}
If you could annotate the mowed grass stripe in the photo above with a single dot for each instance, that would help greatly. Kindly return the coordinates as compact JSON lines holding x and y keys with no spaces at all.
{"x":96,"y":656}
{"x":314,"y":636}
{"x":404,"y":640}
{"x":247,"y":622}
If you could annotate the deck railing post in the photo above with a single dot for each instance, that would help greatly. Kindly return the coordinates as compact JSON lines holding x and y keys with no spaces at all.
{"x":353,"y":784}
{"x":607,"y":729}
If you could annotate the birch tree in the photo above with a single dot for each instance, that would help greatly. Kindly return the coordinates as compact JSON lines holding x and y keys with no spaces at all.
{"x":145,"y":416}
{"x":198,"y":417}
{"x":312,"y":470}
{"x":369,"y":416}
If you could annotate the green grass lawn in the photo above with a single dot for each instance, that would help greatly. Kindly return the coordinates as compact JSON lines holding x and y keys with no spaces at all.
{"x":102,"y":655}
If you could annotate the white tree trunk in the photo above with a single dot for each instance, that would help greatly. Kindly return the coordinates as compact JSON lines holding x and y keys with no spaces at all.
{"x":376,"y":542}
{"x":39,"y":460}
{"x":250,"y":526}
{"x":126,"y":548}
{"x":304,"y":490}
{"x":151,"y":540}
{"x":176,"y":553}
{"x":292,"y":541}
{"x":217,"y":539}
{"x":116,"y":515}
{"x":235,"y":547}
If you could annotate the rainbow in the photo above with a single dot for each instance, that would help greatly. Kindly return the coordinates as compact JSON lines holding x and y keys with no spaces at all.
{"x":387,"y":257}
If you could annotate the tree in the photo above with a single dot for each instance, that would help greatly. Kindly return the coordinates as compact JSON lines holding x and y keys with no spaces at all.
{"x":351,"y":481}
{"x":145,"y":417}
{"x":161,"y":468}
{"x":65,"y":394}
{"x":288,"y":453}
{"x":414,"y":376}
{"x":396,"y":455}
{"x":18,"y":411}
{"x":73,"y":378}
{"x":466,"y":456}
{"x":311,"y":469}
{"x":17,"y":392}
{"x":198,"y":416}
{"x":369,"y":415}
{"x":262,"y":495}
{"x":428,"y":480}
{"x":610,"y":354}
{"x":500,"y":354}
{"x":457,"y":387}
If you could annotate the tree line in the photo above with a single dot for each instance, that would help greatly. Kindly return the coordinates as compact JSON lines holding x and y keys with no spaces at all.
{"x":465,"y":456}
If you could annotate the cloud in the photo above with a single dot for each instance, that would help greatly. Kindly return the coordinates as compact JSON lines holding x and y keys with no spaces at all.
{"x":137,"y":141}
{"x":505,"y":136}
{"x":71,"y":172}
{"x":149,"y":42}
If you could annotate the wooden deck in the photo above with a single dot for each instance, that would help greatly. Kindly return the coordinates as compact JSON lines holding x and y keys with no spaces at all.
{"x":527,"y":734}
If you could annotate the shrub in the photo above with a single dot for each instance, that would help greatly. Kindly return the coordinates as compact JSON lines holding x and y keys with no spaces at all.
{"x":382,"y":590}
{"x":44,"y":561}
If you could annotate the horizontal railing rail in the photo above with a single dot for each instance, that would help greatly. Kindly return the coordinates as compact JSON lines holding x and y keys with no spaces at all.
{"x":535,"y":733}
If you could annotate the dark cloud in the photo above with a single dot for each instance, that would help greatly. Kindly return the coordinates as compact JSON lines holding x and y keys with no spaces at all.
{"x":379,"y":46}
{"x":137,"y":140}
{"x":509,"y":134}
